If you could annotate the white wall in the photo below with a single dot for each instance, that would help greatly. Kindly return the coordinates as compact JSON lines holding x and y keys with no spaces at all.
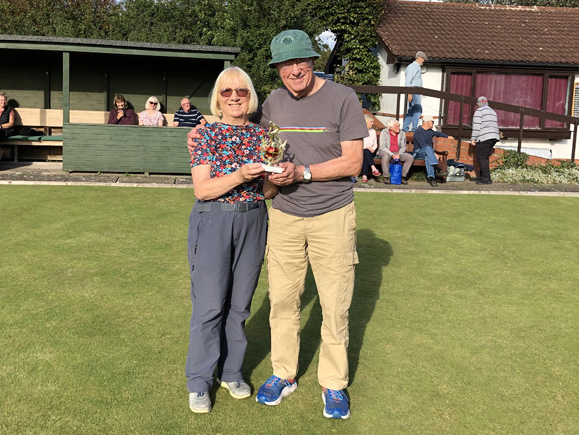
{"x":432,"y":79}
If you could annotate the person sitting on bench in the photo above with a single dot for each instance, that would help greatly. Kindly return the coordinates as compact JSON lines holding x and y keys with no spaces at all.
{"x":423,"y":148}
{"x":393,"y":147}
{"x":6,"y":117}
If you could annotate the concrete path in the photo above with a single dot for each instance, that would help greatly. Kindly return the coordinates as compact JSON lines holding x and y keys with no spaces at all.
{"x":52,"y":174}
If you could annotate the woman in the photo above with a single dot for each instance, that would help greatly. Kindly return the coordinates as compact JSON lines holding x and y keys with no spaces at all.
{"x":226,"y":242}
{"x":152,"y":115}
{"x":6,"y":117}
{"x":121,"y":114}
{"x":370,"y":147}
{"x":393,"y":147}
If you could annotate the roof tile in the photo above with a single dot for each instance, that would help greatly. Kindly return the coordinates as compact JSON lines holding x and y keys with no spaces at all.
{"x":481,"y":32}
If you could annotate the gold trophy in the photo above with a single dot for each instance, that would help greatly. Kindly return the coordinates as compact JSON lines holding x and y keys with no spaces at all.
{"x":272,"y":150}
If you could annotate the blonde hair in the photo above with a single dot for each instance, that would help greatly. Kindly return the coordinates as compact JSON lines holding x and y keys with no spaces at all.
{"x":152,"y":99}
{"x":3,"y":94}
{"x":228,"y":75}
{"x":119,"y":98}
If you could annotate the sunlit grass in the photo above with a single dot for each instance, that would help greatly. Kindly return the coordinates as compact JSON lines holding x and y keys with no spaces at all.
{"x":464,"y":318}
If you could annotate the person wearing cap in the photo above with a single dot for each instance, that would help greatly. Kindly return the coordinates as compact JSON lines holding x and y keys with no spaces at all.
{"x":485,"y":134}
{"x":414,"y":79}
{"x":312,"y":219}
{"x":423,"y":148}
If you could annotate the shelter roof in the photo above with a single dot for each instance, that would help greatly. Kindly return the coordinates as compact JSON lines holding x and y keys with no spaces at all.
{"x":103,"y":46}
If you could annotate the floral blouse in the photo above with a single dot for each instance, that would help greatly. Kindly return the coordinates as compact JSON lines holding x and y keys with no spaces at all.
{"x":151,"y":121}
{"x":227,"y":147}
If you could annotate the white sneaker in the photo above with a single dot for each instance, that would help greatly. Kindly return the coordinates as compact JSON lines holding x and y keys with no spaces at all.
{"x":238,"y":389}
{"x":200,"y":403}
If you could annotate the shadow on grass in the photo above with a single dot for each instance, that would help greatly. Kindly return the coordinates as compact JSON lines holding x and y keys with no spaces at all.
{"x":374,"y":254}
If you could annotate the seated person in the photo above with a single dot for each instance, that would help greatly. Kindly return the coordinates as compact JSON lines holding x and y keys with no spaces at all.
{"x":152,"y":115}
{"x":370,"y":147}
{"x":423,"y":148}
{"x":121,"y":114}
{"x":6,"y":117}
{"x":188,"y":115}
{"x":392,"y":147}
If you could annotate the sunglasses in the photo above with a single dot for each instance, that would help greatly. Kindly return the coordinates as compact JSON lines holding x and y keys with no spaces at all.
{"x":227,"y":92}
{"x":289,"y":65}
{"x":153,"y":103}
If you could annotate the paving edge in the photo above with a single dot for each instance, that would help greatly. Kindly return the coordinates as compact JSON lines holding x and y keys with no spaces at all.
{"x":470,"y":192}
{"x":374,"y":190}
{"x":75,"y":183}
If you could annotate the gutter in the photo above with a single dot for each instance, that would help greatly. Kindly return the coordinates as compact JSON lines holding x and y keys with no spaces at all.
{"x":504,"y":63}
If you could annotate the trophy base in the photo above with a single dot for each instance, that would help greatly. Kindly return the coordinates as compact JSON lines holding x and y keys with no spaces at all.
{"x":272,"y":169}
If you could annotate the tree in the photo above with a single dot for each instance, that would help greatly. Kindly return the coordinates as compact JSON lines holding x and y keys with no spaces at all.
{"x":353,"y":22}
{"x":251,"y":25}
{"x":66,"y":18}
{"x":248,"y":24}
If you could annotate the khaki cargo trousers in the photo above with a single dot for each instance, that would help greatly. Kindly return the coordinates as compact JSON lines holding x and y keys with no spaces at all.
{"x":328,"y":243}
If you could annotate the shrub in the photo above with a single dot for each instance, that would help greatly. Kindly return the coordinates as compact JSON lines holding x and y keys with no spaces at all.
{"x":417,"y":174}
{"x":512,"y":159}
{"x":544,"y":174}
{"x":513,"y":168}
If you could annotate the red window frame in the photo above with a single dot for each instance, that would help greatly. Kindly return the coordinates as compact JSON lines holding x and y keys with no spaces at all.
{"x":543,"y":90}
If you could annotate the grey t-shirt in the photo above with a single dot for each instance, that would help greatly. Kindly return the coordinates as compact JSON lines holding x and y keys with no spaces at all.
{"x":314,"y":127}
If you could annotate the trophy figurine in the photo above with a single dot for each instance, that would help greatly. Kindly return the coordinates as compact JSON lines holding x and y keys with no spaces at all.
{"x":272,"y":150}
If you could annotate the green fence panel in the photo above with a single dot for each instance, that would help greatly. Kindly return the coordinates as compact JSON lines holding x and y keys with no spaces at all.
{"x":125,"y":148}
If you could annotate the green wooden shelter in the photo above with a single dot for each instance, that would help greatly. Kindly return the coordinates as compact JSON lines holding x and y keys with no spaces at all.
{"x":85,"y":74}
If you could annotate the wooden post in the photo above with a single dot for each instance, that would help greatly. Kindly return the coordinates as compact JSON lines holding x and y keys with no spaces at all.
{"x":66,"y":87}
{"x":574,"y":142}
{"x":107,"y":87}
{"x":398,"y":107}
{"x":521,"y":125}
{"x":459,"y":138}
{"x":47,"y":88}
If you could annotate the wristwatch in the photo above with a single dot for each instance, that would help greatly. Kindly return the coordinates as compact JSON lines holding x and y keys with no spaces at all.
{"x":307,"y":174}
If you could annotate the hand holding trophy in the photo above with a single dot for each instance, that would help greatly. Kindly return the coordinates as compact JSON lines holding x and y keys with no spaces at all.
{"x":272,"y":149}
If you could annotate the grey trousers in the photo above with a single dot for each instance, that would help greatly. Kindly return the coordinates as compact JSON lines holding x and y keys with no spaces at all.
{"x":225,"y":250}
{"x":405,"y":158}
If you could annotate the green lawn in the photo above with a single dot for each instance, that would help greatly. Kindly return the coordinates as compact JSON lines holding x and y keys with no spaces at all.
{"x":464,"y":320}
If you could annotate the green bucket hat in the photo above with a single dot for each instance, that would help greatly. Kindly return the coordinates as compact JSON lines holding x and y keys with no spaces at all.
{"x":291,"y":44}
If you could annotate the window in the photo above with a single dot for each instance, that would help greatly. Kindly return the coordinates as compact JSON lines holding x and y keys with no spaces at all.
{"x":541,"y":91}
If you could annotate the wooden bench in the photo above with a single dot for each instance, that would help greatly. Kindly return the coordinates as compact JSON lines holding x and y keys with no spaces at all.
{"x":49,"y":124}
{"x":442,"y":155}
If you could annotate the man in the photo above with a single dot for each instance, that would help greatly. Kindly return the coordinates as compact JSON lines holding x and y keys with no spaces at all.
{"x":485,"y":134}
{"x":414,"y":79}
{"x":188,"y":115}
{"x":393,"y":147}
{"x":312,"y":218}
{"x":423,"y":149}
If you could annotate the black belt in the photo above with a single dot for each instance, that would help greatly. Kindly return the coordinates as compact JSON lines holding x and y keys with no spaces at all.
{"x":223,"y":206}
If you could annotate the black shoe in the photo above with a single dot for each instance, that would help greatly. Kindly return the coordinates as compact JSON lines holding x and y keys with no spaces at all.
{"x":484,"y":182}
{"x":404,"y":181}
{"x":432,"y":182}
{"x":386,"y":180}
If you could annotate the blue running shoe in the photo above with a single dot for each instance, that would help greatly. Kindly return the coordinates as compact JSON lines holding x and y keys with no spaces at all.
{"x":275,"y":389}
{"x":335,"y":404}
